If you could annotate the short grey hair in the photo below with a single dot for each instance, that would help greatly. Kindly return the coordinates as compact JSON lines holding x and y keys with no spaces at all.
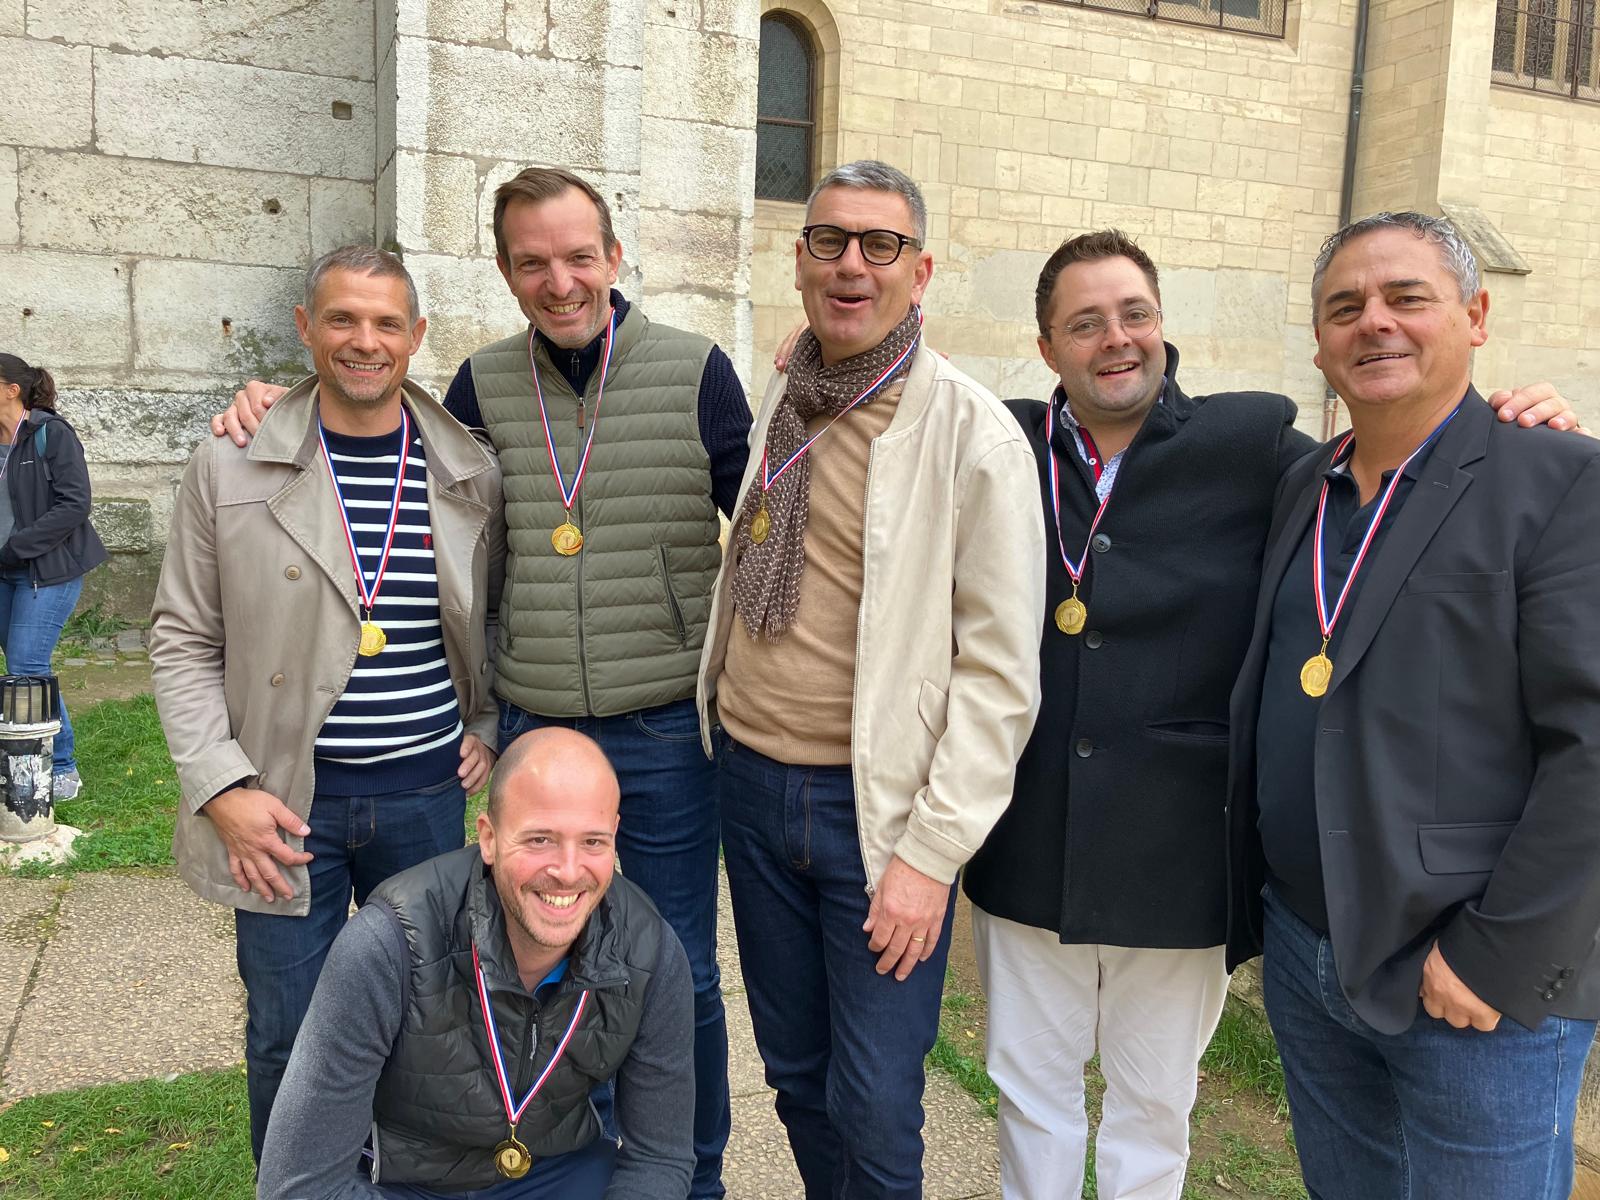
{"x":1453,"y":249}
{"x":869,"y":174}
{"x":362,"y":260}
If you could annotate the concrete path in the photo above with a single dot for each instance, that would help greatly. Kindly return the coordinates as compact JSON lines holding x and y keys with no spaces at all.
{"x":113,"y":977}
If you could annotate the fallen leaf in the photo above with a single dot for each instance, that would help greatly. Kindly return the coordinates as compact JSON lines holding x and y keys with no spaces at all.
{"x":78,"y":1149}
{"x":5,"y":1155}
{"x":48,"y":1124}
{"x":178,"y":1146}
{"x":111,"y":1129}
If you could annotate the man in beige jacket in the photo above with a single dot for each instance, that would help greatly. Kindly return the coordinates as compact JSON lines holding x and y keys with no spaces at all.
{"x":319,"y":648}
{"x":873,"y":664}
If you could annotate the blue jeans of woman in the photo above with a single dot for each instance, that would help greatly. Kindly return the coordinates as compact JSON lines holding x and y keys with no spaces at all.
{"x":30,"y":626}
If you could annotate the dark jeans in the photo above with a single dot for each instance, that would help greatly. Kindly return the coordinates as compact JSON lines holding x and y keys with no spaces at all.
{"x":30,"y":626}
{"x":582,"y":1175}
{"x":358,"y":842}
{"x":842,"y":1044}
{"x":1434,"y":1113}
{"x":668,"y":846}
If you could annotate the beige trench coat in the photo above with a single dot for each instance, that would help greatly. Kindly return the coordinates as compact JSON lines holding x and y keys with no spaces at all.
{"x":255,"y":626}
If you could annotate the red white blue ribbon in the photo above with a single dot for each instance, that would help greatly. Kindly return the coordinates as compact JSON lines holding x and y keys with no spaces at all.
{"x":1325,"y":621}
{"x":872,"y":388}
{"x":369,"y":595}
{"x":502,"y":1075}
{"x":1074,"y":569}
{"x":568,"y":495}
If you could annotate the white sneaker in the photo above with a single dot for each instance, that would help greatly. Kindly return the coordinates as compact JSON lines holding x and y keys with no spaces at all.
{"x":67,"y":785}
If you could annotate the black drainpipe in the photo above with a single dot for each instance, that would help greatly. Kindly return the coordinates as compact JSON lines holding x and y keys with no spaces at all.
{"x":1347,"y":186}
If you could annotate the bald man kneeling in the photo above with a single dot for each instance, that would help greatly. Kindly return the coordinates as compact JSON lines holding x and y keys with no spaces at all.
{"x":509,"y":1021}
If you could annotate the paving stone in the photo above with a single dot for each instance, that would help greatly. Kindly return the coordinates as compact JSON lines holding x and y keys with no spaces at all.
{"x":138,"y":981}
{"x":25,"y":909}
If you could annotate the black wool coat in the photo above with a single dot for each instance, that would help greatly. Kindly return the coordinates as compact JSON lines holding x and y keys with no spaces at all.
{"x":1116,"y":831}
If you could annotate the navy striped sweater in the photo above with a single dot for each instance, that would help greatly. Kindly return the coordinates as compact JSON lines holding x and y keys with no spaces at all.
{"x":397,"y":727}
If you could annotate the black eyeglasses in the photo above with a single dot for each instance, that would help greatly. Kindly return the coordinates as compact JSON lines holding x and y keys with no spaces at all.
{"x":880,"y":247}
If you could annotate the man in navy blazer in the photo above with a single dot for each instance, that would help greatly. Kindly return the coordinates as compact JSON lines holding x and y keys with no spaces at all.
{"x":1415,"y":792}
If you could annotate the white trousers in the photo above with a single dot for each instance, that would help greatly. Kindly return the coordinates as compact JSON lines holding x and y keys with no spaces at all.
{"x":1149,"y":1012}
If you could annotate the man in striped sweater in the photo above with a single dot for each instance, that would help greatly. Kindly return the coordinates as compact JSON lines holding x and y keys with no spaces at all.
{"x":319,"y":645}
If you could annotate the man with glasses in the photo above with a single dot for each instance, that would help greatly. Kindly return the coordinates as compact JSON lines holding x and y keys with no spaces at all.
{"x":873,"y":663}
{"x":1100,"y":897}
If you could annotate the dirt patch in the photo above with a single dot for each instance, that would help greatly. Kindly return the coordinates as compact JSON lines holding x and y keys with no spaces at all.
{"x":116,"y":679}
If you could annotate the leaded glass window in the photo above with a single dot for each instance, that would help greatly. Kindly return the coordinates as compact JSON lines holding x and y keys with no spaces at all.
{"x":785,"y":110}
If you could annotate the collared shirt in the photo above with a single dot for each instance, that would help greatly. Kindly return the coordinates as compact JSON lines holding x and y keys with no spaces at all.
{"x":1105,"y":473}
{"x":1286,"y":730}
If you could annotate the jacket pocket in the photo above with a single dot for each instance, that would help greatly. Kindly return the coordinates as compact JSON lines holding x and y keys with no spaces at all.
{"x":1460,"y":581}
{"x":933,"y":706}
{"x":1463,"y":849}
{"x":1189,"y":732}
{"x":673,"y":607}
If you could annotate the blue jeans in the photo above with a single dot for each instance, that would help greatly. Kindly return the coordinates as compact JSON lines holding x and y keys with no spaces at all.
{"x":668,"y":846}
{"x":842,"y":1044}
{"x":582,"y":1175}
{"x":358,"y":842}
{"x":30,"y":626}
{"x":1434,"y":1113}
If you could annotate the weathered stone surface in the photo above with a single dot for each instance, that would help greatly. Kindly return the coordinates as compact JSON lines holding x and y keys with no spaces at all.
{"x":491,"y":103}
{"x":322,"y":37}
{"x":738,"y":17}
{"x":47,"y":100}
{"x":609,"y":31}
{"x":77,"y":310}
{"x":436,"y":203}
{"x":528,"y":25}
{"x":12,"y":18}
{"x":720,"y":72}
{"x":693,"y":167}
{"x":182,"y":110}
{"x":223,"y":321}
{"x":93,"y":202}
{"x":124,"y":524}
{"x":694,"y":251}
{"x":717,"y":317}
{"x":10,"y":227}
{"x":136,"y":426}
{"x":451,"y":20}
{"x":468,"y":306}
{"x":341,"y":214}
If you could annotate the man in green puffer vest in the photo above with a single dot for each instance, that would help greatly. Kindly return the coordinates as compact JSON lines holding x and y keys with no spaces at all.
{"x":507,"y":1016}
{"x":619,"y":440}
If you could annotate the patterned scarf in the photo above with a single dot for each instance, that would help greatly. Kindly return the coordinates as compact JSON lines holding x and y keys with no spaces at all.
{"x":766,"y":578}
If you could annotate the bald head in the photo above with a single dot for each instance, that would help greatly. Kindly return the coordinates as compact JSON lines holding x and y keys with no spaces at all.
{"x":552,"y":763}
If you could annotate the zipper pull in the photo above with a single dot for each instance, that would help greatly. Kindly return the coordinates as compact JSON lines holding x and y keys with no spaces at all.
{"x":580,"y":414}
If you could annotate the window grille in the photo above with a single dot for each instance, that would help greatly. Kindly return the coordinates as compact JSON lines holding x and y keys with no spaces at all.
{"x":786,"y":110}
{"x":1239,"y":16}
{"x":1548,"y":46}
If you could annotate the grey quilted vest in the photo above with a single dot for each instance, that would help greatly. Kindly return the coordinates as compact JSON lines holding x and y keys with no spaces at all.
{"x":437,"y":1112}
{"x":619,"y":625}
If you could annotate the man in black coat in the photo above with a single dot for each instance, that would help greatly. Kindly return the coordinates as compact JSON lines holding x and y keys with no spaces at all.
{"x":1416,"y":736}
{"x":1100,"y":899}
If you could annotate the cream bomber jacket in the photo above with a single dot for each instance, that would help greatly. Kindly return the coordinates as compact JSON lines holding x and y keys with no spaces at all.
{"x":952,"y":610}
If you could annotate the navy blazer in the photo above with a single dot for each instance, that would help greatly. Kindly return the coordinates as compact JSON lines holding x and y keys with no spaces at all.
{"x":1457,"y":758}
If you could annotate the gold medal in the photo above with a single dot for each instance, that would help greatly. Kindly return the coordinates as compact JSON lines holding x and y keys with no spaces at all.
{"x":511,"y":1158}
{"x":760,"y":525}
{"x":1316,"y":673}
{"x":1071,"y":615}
{"x":566,"y":539}
{"x":373,"y":639}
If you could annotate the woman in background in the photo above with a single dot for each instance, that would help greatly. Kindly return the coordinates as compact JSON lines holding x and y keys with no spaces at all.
{"x":46,"y":542}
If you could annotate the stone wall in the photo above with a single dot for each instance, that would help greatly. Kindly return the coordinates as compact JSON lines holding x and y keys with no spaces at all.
{"x":1540,"y":181}
{"x":1029,"y":122}
{"x":168,"y":168}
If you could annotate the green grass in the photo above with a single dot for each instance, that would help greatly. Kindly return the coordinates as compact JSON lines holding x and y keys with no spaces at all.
{"x":188,"y":1139}
{"x":130,"y":791}
{"x":1242,"y":1052}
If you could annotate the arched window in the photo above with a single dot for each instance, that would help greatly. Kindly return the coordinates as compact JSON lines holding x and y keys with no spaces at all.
{"x":786,"y":110}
